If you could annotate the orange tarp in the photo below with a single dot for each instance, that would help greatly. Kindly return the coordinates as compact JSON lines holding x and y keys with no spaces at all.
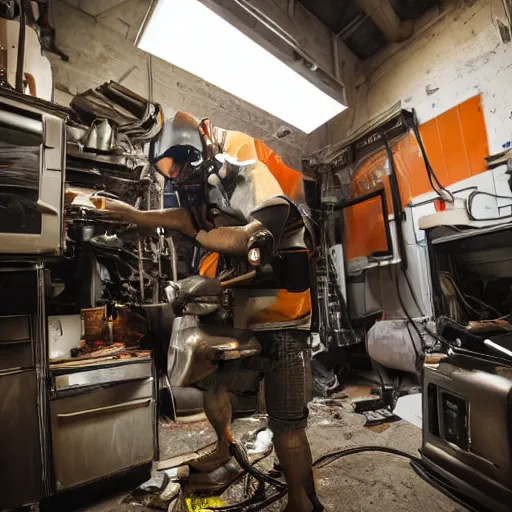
{"x":289,"y":179}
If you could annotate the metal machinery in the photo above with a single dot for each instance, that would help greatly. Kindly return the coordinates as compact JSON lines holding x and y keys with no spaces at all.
{"x":463,"y":319}
{"x":361,"y":219}
{"x":467,"y":397}
{"x":77,"y":383}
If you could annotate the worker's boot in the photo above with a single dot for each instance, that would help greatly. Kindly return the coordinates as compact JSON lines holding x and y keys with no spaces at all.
{"x":217,"y":408}
{"x":294,"y":454}
{"x":212,"y":460}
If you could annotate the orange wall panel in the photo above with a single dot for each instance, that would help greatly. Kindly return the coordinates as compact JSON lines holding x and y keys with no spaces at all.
{"x":456,"y":145}
{"x":475,"y":134}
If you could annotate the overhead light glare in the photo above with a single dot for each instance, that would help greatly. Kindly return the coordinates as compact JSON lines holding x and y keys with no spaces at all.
{"x":189,"y":35}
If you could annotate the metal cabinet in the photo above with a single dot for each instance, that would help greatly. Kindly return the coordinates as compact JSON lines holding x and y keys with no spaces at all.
{"x":23,"y":461}
{"x":101,"y":431}
{"x":20,"y":455}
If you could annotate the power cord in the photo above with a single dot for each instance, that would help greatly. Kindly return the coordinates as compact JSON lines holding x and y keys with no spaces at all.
{"x":436,"y":185}
{"x":416,"y":463}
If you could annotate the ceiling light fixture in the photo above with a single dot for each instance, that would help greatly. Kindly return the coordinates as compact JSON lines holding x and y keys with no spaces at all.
{"x":189,"y":35}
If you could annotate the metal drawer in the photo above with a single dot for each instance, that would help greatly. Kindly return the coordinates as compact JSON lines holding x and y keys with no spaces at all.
{"x":15,"y":342}
{"x":15,"y":328}
{"x":102,"y":432}
{"x":97,"y":377}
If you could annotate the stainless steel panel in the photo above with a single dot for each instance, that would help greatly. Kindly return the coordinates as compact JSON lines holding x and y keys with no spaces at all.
{"x":43,"y":232}
{"x":119,"y":373}
{"x":21,"y":122}
{"x":485,"y":465}
{"x":20,"y":456}
{"x":102,"y":432}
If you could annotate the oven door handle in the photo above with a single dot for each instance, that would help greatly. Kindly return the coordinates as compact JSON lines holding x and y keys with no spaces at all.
{"x":133,"y":404}
{"x":5,"y":372}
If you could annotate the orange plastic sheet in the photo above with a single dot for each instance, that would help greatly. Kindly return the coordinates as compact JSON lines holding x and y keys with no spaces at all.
{"x":291,"y":181}
{"x":244,"y":147}
{"x":456,"y":145}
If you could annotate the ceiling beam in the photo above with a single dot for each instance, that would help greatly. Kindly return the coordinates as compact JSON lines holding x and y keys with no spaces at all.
{"x":385,"y":17}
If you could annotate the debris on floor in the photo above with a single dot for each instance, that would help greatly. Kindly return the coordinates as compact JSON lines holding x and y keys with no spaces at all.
{"x":369,"y":482}
{"x":409,"y":408}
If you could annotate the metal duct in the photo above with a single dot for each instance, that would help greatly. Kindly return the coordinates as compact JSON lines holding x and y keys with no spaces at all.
{"x":385,"y":17}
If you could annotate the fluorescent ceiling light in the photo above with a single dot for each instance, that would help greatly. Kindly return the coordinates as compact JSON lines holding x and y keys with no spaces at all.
{"x":188,"y":35}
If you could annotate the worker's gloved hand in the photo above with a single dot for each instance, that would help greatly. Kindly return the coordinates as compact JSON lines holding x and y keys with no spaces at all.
{"x":260,"y":248}
{"x":107,"y":204}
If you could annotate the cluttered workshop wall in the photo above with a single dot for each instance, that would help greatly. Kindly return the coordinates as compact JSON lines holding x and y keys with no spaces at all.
{"x":456,"y":145}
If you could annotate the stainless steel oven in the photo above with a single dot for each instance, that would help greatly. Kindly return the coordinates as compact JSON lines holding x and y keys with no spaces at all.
{"x":102,"y":420}
{"x":32,"y":173}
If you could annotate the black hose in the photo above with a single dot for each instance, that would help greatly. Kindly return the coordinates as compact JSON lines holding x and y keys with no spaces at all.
{"x":416,"y":463}
{"x":398,"y":211}
{"x":331,"y":457}
{"x":243,"y":461}
{"x":411,"y":289}
{"x":250,"y":505}
{"x":430,"y":171}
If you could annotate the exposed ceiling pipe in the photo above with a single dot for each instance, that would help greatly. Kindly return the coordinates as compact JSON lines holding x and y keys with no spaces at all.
{"x":382,"y":13}
{"x":291,"y":8}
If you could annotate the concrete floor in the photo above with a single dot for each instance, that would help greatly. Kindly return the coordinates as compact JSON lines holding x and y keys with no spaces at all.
{"x":359,"y":483}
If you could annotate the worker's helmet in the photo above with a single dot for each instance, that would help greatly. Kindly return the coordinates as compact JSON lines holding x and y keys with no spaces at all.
{"x":180,"y":141}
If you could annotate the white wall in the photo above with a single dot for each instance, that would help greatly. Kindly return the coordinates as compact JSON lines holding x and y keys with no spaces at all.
{"x":458,"y":56}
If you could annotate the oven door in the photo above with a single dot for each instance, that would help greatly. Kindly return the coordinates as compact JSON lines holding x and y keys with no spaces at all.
{"x":32,"y":169}
{"x":101,"y":432}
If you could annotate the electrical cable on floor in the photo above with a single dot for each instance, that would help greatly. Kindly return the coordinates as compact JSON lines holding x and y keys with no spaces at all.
{"x":416,"y":463}
{"x":331,"y":457}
